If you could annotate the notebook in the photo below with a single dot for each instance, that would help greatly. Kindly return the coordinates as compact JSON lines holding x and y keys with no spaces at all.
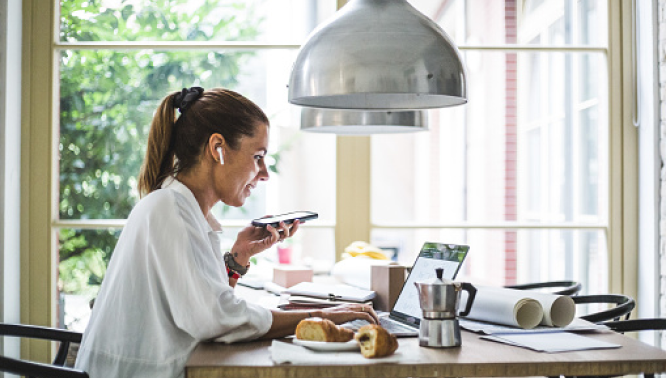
{"x":404,"y":318}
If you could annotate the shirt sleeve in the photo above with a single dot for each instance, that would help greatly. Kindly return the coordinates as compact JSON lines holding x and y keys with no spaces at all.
{"x":188,"y":267}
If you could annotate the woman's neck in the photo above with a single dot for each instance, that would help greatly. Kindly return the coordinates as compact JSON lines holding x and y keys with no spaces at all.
{"x":200,"y":187}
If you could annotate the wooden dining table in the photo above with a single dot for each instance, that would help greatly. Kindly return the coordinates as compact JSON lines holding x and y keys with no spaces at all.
{"x":476,"y":357}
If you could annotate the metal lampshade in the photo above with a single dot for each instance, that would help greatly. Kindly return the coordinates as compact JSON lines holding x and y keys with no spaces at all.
{"x":354,"y":122}
{"x":378,"y":55}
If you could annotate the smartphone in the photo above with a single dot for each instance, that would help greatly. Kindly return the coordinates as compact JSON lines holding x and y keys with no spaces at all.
{"x":287,"y":218}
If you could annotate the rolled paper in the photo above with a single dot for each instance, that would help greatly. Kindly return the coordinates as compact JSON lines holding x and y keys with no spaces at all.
{"x":520,"y":308}
{"x":510,"y":308}
{"x":558,"y":310}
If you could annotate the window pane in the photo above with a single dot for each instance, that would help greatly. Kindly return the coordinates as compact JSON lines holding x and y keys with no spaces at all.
{"x":590,"y":201}
{"x":283,"y":21}
{"x":533,"y":178}
{"x":551,"y":255}
{"x":590,"y":78}
{"x":83,"y":257}
{"x":491,"y":22}
{"x":541,"y":255}
{"x":474,"y":156}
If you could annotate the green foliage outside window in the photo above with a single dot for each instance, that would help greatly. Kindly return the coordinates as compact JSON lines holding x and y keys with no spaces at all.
{"x":107,"y":99}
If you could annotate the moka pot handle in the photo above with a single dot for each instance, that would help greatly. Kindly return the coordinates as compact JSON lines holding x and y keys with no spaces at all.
{"x":468,"y":287}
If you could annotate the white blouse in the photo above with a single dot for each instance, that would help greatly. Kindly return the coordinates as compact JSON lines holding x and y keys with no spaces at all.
{"x":165,"y":290}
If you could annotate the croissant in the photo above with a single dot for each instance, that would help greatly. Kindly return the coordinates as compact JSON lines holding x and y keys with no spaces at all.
{"x":375,"y":341}
{"x":318,"y":329}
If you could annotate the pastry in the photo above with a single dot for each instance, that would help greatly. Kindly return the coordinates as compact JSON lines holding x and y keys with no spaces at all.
{"x":318,"y":329}
{"x":375,"y":341}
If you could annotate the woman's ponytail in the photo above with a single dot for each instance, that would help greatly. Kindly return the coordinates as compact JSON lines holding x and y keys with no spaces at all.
{"x":159,"y":161}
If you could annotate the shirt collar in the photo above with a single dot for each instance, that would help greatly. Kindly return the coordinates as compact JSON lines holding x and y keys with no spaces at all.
{"x":210,"y":222}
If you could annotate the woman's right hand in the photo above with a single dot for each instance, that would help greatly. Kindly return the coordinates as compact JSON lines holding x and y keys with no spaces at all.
{"x":348,"y":312}
{"x":252,"y":240}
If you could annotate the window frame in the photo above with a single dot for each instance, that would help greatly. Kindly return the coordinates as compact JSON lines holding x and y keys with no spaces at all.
{"x":38,"y":179}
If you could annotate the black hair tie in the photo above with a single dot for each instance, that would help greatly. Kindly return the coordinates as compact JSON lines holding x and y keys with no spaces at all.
{"x":186,"y":97}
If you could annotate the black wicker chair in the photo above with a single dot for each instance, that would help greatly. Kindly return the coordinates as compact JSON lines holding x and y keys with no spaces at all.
{"x":561,"y":287}
{"x":635,"y":325}
{"x":623,"y":306}
{"x":37,"y":369}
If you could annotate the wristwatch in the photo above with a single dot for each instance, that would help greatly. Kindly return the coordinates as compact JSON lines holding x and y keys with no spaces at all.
{"x":233,"y":265}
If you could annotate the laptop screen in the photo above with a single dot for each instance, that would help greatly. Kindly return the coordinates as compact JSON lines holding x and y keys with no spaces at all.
{"x":433,"y":255}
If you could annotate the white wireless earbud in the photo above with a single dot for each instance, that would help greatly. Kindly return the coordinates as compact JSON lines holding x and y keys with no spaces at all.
{"x":219,"y":151}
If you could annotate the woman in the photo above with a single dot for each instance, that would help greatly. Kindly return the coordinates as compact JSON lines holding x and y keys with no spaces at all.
{"x":167,"y":286}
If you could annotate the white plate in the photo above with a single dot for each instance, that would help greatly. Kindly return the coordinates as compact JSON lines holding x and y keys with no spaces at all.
{"x":328,"y":347}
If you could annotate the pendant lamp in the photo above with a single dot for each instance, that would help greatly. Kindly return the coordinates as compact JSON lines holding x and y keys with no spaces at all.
{"x":355,"y":122}
{"x":378,"y":55}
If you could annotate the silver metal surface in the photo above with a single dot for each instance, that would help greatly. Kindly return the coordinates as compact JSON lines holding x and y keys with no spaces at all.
{"x":438,"y":314}
{"x":355,"y":122}
{"x":440,"y":333}
{"x":441,"y":298}
{"x":378,"y":55}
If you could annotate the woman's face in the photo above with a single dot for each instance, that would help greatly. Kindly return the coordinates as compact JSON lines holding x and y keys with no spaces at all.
{"x":244,"y":167}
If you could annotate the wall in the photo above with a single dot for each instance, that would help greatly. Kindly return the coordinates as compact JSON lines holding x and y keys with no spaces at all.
{"x":10,"y":141}
{"x":661,"y":113}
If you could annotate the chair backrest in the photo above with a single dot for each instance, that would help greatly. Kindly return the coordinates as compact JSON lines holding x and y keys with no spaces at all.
{"x":562,"y":287}
{"x":36,"y":369}
{"x":623,"y":306}
{"x":634,"y":325}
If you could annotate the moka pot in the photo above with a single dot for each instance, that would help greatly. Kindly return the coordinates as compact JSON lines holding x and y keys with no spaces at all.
{"x":439,"y":299}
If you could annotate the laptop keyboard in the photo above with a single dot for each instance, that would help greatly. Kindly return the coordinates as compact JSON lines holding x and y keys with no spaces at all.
{"x":390,"y":325}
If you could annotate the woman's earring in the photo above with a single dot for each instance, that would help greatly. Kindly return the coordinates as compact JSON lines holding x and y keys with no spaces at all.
{"x":219,"y":151}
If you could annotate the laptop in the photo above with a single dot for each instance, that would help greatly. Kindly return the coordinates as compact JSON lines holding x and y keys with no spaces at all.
{"x":405,"y":317}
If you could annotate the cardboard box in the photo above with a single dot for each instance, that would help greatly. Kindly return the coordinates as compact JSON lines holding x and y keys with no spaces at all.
{"x":289,"y":275}
{"x":387,"y":281}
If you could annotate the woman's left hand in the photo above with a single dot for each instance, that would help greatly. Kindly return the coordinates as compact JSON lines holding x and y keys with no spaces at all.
{"x":252,"y":240}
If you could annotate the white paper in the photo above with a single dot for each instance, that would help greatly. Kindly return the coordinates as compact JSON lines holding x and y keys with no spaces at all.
{"x":552,"y":342}
{"x":274,"y":288}
{"x":334,"y":292}
{"x":520,"y":308}
{"x":300,"y":299}
{"x":577,"y":325}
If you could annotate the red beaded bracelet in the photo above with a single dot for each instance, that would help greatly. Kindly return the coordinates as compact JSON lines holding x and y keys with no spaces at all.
{"x":232,"y":274}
